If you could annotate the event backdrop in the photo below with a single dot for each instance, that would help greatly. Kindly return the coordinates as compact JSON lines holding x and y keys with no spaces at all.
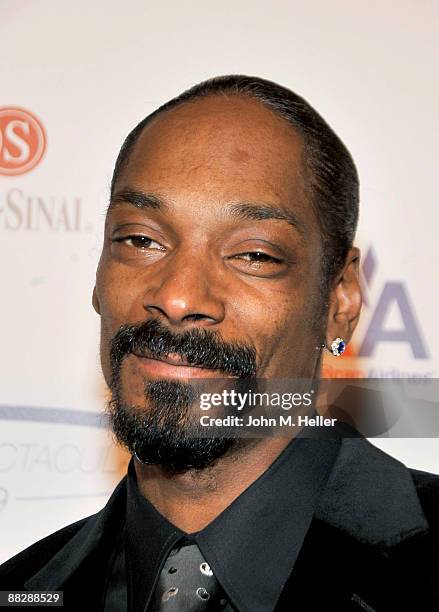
{"x":75,"y":78}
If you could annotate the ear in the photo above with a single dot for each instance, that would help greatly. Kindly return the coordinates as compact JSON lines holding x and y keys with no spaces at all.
{"x":95,"y":301}
{"x":345,"y":300}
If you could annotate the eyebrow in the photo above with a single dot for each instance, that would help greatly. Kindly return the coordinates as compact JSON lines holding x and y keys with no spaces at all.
{"x":258,"y":211}
{"x":139,"y":199}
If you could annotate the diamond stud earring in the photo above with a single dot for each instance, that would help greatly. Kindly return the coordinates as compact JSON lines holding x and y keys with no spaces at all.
{"x":338,"y":347}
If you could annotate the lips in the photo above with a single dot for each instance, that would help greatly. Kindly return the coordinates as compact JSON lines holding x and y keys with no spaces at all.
{"x":173,"y":366}
{"x":171,"y":359}
{"x":175,"y":360}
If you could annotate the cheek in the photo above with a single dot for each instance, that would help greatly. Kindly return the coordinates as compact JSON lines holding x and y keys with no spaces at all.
{"x":116,"y":302}
{"x":105,"y":351}
{"x":118,"y":296}
{"x":282,"y":326}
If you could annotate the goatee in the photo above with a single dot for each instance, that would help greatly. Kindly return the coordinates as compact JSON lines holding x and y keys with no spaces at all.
{"x":167,"y":432}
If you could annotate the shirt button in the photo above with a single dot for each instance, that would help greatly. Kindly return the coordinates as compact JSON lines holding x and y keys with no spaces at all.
{"x":169,"y":593}
{"x":205,"y":569}
{"x":202,"y":594}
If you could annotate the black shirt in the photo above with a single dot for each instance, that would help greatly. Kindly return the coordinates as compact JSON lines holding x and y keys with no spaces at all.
{"x":251,"y":546}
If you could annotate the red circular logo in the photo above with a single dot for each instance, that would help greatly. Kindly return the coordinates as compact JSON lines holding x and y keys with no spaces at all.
{"x":22,"y":141}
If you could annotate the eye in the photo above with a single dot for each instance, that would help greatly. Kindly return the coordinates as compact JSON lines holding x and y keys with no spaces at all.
{"x":140,"y":242}
{"x":259,"y":263}
{"x":258,"y":258}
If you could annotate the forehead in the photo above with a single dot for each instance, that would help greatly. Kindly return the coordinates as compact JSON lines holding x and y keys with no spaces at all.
{"x":228,"y":146}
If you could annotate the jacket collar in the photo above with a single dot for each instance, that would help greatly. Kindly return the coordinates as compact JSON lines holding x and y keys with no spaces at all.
{"x":369,"y":496}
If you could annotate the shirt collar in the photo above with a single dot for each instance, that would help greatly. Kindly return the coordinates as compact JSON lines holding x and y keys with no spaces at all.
{"x":268,"y":522}
{"x":149,"y":539}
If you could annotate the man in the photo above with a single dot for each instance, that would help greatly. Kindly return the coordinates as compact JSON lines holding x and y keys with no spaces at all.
{"x":228,"y":253}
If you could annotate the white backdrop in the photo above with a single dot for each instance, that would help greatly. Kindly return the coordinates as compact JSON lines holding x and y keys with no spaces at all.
{"x":89,"y":72}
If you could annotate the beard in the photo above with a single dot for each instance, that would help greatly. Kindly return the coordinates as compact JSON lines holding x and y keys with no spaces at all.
{"x":165,"y":431}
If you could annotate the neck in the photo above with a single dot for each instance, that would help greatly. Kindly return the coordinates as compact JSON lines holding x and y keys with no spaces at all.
{"x":193,"y":499}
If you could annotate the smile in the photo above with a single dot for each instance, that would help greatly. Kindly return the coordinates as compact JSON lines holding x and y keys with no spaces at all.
{"x":174,"y":367}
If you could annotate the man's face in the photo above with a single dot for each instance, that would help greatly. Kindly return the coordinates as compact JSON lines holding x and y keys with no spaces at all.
{"x":195,"y":243}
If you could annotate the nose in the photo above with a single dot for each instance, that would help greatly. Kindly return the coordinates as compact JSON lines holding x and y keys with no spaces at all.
{"x":184,"y":292}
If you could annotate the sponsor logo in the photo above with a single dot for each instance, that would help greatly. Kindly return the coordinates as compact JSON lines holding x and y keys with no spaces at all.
{"x":22,"y":141}
{"x":394,"y":294}
{"x":35,"y":470}
{"x":30,"y":212}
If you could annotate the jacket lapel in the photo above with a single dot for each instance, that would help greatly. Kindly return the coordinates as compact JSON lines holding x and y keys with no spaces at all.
{"x":368,"y":547}
{"x":371,"y":496}
{"x":99,"y":533}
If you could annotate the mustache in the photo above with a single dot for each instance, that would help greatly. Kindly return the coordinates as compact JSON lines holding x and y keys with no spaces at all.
{"x":197,"y":347}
